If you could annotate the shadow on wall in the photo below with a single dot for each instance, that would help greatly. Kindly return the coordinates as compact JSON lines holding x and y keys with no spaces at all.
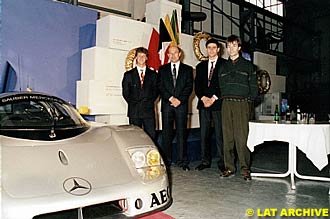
{"x":8,"y":78}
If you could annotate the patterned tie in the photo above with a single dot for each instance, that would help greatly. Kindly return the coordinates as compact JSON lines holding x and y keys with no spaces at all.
{"x":174,"y":75}
{"x":142,"y":77}
{"x":211,"y":73}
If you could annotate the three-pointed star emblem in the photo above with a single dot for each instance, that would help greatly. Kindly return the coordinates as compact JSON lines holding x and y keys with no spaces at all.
{"x":77,"y":186}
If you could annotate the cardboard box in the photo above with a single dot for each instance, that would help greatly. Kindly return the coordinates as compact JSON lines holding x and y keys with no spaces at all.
{"x":122,"y":33}
{"x":113,"y":119}
{"x":159,"y":9}
{"x":278,"y":83}
{"x":100,"y":97}
{"x":265,"y":62}
{"x":269,"y":103}
{"x":103,"y":64}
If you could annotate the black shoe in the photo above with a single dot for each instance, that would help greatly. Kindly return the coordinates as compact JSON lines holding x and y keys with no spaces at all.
{"x":227,"y":173}
{"x":246,"y":175}
{"x":185,"y":167}
{"x":202,"y":166}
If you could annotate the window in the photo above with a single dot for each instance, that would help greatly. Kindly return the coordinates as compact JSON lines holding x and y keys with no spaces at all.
{"x":259,"y":29}
{"x":273,"y":6}
{"x":222,"y":17}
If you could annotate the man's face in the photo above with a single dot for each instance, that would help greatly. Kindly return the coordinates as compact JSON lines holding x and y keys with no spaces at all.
{"x":212,"y":50}
{"x":141,"y":59}
{"x":174,"y":54}
{"x":233,"y":50}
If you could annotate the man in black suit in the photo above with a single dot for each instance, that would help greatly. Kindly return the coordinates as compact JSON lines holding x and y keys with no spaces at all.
{"x":209,"y":103}
{"x":140,"y":92}
{"x":175,"y":85}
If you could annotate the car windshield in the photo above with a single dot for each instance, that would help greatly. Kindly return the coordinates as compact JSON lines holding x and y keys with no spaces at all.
{"x":38,"y":114}
{"x":39,"y":117}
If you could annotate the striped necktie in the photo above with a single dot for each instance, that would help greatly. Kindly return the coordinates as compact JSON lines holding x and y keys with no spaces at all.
{"x":142,"y":78}
{"x":174,"y":75}
{"x":210,"y":75}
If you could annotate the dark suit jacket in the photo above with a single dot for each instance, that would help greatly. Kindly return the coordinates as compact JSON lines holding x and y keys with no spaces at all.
{"x":201,"y":81}
{"x":140,"y":100}
{"x":182,"y":90}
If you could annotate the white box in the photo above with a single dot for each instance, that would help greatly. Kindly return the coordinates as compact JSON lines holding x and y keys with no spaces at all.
{"x":103,"y":64}
{"x":265,"y":62}
{"x":193,"y":120}
{"x":122,"y":33}
{"x":269,"y":103}
{"x":113,"y":119}
{"x":277,"y":83}
{"x":188,"y":50}
{"x":265,"y":118}
{"x":193,"y":101}
{"x":100,"y":97}
{"x":159,"y":9}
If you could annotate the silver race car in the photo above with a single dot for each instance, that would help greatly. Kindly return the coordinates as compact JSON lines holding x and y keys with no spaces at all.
{"x":54,"y":164}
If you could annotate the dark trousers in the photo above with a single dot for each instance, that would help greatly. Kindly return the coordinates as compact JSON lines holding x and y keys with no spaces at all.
{"x":180,"y":118}
{"x":235,"y":125}
{"x":205,"y":122}
{"x":148,"y":125}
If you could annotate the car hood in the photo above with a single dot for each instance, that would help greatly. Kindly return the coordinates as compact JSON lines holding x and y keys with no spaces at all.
{"x":38,"y":168}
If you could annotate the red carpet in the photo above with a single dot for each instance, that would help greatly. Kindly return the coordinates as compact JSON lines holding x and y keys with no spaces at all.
{"x":158,"y":215}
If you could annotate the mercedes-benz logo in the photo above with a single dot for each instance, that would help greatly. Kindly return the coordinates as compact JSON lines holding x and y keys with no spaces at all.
{"x":77,"y":186}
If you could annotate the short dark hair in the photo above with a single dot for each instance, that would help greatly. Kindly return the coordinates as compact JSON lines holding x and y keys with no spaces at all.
{"x":141,"y":50}
{"x":212,"y":40}
{"x":233,"y":38}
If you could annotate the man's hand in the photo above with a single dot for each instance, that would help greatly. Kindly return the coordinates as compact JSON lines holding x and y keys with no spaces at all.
{"x":175,"y":102}
{"x":208,"y":101}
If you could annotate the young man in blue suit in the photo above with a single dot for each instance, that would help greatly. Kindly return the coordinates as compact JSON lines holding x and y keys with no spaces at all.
{"x":175,"y":85}
{"x":140,"y":92}
{"x":209,"y":103}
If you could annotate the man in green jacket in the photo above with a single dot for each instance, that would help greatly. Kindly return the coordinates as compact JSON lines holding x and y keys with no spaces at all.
{"x":238,"y":85}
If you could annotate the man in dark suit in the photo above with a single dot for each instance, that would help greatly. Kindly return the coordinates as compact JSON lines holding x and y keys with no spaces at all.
{"x":175,"y":85}
{"x":140,"y":92}
{"x":209,"y":103}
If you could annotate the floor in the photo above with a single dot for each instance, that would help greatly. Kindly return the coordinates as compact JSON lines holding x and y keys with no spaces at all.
{"x":204,"y":194}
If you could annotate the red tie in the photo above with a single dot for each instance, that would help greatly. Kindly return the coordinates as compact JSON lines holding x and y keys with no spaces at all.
{"x":142,"y":78}
{"x":211,"y":73}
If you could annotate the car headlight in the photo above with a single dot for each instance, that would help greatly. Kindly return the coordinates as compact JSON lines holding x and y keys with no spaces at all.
{"x":139,"y":159}
{"x":148,"y":162}
{"x":153,"y":158}
{"x":145,"y":157}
